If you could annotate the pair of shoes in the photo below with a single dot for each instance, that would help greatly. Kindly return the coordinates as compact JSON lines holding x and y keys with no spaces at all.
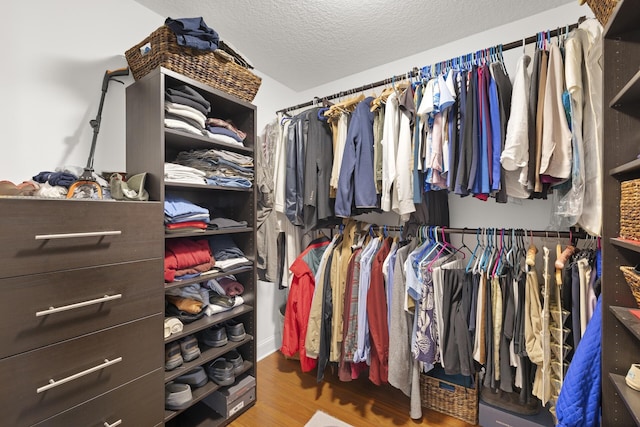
{"x":197,"y":377}
{"x":189,"y":348}
{"x":221,"y":372}
{"x":178,"y":352}
{"x":633,"y":377}
{"x":177,"y":396}
{"x":235,"y":330}
{"x":172,"y":326}
{"x":236,"y":361}
{"x":172,"y":356}
{"x":214,"y":337}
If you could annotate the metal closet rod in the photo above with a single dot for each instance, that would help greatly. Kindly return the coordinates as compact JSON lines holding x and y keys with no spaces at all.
{"x":416,"y":71}
{"x":572,"y":233}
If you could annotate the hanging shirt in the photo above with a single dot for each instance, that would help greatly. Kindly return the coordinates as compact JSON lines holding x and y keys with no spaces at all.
{"x":515,"y":157}
{"x":556,"y":137}
{"x":404,"y":184}
{"x":356,"y":182}
{"x":340,"y":141}
{"x":390,"y":139}
{"x":364,"y":344}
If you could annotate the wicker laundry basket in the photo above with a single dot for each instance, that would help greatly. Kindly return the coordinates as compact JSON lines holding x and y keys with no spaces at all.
{"x":602,"y":9}
{"x":449,"y":398}
{"x":633,"y":281}
{"x":630,"y":209}
{"x":211,"y":68}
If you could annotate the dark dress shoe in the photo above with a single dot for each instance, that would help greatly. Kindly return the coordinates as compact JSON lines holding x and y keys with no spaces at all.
{"x":221,"y":372}
{"x":214,"y":337}
{"x":235,"y":330}
{"x":236,"y":361}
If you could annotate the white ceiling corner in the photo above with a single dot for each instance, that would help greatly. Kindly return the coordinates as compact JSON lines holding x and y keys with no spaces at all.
{"x":303,"y":43}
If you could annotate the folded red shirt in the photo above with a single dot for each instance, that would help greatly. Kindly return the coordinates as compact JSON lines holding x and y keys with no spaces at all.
{"x":182,"y":254}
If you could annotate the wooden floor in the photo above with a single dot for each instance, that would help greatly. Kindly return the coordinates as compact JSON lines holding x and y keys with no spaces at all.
{"x":286,"y":397}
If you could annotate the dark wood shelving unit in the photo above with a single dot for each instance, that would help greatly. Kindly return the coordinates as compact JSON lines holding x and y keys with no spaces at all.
{"x":149,"y":146}
{"x":627,"y":168}
{"x":207,"y":277}
{"x":629,"y":396}
{"x":621,"y":133}
{"x":209,"y":321}
{"x":628,"y":319}
{"x":631,"y":245}
{"x":208,"y":232}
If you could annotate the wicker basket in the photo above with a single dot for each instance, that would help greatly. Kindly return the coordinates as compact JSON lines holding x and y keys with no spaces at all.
{"x":629,"y":209}
{"x":602,"y":9}
{"x":633,"y":280}
{"x":450,"y":398}
{"x":204,"y":66}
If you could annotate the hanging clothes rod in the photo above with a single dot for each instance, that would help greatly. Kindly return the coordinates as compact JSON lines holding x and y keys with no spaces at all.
{"x":573,"y":233}
{"x":416,"y":71}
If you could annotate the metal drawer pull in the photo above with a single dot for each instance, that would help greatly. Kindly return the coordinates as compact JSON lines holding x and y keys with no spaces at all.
{"x":72,"y":235}
{"x":52,"y":310}
{"x":117,"y":423}
{"x":53,"y":383}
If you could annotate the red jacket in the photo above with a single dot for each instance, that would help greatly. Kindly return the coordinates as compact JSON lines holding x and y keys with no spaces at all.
{"x":296,"y":318}
{"x":377,"y":313}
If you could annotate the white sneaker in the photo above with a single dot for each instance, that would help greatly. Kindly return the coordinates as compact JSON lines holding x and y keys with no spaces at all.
{"x":633,"y":377}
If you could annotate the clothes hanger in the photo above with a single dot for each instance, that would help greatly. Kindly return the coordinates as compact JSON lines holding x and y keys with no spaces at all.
{"x":473,"y":254}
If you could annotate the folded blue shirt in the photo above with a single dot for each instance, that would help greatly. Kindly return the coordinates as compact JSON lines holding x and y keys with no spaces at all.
{"x":177,"y":207}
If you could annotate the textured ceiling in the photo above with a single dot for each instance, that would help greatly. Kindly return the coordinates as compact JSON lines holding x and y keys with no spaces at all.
{"x":304,"y":43}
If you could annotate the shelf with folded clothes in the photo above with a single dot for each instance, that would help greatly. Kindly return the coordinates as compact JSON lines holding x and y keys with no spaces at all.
{"x":205,"y":187}
{"x":172,"y":235}
{"x":178,"y":140}
{"x":629,"y":396}
{"x":208,"y":321}
{"x":208,"y":354}
{"x":206,"y":276}
{"x":628,"y":319}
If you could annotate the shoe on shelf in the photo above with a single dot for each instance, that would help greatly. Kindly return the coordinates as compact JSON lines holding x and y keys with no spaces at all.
{"x":197,"y":377}
{"x":172,"y":356}
{"x":633,"y":377}
{"x":214,"y":337}
{"x":235,"y":330}
{"x":177,"y":396}
{"x":189,"y":348}
{"x":221,"y":372}
{"x":236,"y":361}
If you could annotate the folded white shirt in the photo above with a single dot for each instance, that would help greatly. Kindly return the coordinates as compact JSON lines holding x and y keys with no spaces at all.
{"x":185,"y":111}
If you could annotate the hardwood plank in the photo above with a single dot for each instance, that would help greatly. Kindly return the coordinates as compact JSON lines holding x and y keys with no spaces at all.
{"x":288,"y":397}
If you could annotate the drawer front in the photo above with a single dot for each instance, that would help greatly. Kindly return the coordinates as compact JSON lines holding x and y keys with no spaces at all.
{"x":78,"y":367}
{"x":113,"y":294}
{"x":137,"y":404}
{"x":40,"y":236}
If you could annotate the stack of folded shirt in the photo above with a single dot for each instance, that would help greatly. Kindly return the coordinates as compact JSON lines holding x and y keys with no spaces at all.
{"x":183,"y":215}
{"x":221,"y":167}
{"x":190,"y":299}
{"x":227,"y":285}
{"x":223,"y":131}
{"x":183,"y":174}
{"x":227,"y":254}
{"x":186,"y":258}
{"x":222,"y":223}
{"x":186,"y":110}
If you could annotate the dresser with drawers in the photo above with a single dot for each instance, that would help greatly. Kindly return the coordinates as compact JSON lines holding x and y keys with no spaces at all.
{"x":81,"y":313}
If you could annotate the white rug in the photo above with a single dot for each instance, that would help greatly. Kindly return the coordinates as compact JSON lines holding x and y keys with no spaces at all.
{"x":322,"y":419}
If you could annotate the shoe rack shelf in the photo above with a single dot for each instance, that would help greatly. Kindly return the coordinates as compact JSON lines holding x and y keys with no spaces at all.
{"x":207,"y":354}
{"x":202,"y":392}
{"x":621,"y":133}
{"x":149,"y":146}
